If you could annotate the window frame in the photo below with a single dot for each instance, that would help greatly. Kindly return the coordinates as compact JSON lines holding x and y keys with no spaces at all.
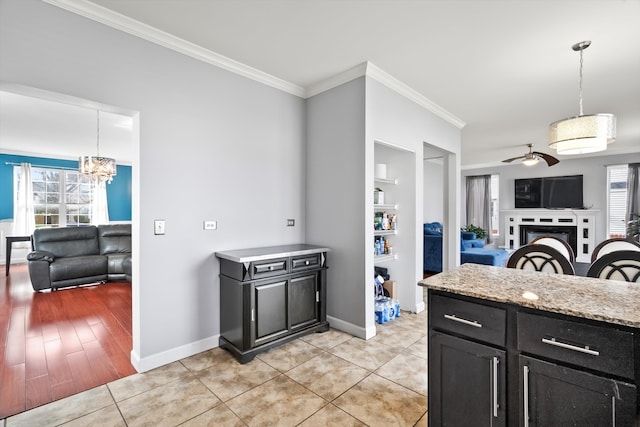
{"x":69,"y":181}
{"x":619,"y":231}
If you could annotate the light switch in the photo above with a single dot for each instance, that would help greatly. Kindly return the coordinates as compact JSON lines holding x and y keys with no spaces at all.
{"x":158,"y":226}
{"x":210,"y":225}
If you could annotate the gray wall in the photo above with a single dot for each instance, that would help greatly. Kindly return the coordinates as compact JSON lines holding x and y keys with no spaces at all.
{"x":342,"y":127}
{"x":213,"y":146}
{"x":335,"y":200}
{"x":594,"y":173}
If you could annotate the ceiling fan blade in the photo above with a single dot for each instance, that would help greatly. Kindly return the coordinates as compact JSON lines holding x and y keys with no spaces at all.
{"x":547,"y":158}
{"x":511,"y":160}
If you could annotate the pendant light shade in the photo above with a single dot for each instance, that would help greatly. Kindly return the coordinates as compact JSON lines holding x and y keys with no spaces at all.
{"x":99,"y":169}
{"x":584,"y":133}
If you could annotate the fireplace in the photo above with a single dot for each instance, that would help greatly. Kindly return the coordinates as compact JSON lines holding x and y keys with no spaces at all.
{"x":567,"y":233}
{"x":576,"y":226}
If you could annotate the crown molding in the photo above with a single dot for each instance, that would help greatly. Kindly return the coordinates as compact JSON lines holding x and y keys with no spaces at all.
{"x":370,"y":70}
{"x":337,"y":80}
{"x":136,"y":28}
{"x":392,"y":83}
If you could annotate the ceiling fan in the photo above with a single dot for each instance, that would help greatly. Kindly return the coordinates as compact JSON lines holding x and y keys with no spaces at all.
{"x":533,"y":157}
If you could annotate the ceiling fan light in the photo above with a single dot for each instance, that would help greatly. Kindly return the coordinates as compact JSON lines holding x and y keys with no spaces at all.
{"x":530,"y":161}
{"x":582,"y":134}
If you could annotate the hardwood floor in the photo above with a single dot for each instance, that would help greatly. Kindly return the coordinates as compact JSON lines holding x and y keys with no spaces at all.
{"x":55,"y":344}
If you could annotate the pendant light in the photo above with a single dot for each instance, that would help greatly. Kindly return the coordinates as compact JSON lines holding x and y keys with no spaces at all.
{"x":584,"y":133}
{"x":99,"y":169}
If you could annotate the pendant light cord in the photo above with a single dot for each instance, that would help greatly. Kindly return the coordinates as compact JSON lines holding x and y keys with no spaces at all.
{"x":98,"y":114}
{"x":581,"y":62}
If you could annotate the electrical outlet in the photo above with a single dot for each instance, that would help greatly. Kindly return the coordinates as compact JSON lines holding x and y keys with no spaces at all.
{"x":210,"y":225}
{"x":291,"y":222}
{"x":158,"y":226}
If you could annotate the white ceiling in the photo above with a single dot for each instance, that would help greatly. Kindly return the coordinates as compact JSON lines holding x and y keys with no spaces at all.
{"x":35,"y":126}
{"x":505,"y":67}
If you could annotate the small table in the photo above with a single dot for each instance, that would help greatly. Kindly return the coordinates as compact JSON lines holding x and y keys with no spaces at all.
{"x":10,"y":241}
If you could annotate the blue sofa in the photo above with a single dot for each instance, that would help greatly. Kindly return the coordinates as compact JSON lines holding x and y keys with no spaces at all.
{"x":472,"y":249}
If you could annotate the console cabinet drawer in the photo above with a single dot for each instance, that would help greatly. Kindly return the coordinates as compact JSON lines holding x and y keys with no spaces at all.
{"x":272,"y":267}
{"x":468,"y":319}
{"x":603,"y":349}
{"x":303,"y":262}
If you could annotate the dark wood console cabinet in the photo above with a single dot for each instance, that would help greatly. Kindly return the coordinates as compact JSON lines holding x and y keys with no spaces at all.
{"x":269,"y":296}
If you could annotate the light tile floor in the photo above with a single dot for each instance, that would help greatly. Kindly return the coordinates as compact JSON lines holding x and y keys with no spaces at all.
{"x":328,"y":379}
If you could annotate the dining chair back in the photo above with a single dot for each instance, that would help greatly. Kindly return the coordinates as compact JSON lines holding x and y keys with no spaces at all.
{"x":560,"y":245}
{"x":618,"y":265}
{"x":612,"y":245}
{"x":538,"y":257}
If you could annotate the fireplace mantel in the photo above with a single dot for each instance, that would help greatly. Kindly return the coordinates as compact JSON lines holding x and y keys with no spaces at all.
{"x":584,"y":221}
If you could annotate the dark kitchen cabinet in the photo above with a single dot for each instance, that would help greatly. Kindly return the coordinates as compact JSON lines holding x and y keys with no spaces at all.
{"x":496,"y":364}
{"x":467,"y":386}
{"x":557,"y":396}
{"x":269,"y":296}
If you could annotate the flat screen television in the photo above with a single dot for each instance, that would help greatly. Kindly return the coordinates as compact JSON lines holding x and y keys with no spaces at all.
{"x":553,"y":192}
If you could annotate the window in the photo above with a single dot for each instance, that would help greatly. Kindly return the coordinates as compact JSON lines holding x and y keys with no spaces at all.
{"x":495,"y":205}
{"x":617,"y":200}
{"x":61,"y":198}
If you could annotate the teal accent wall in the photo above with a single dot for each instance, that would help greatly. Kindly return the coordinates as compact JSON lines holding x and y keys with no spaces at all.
{"x":118,"y":192}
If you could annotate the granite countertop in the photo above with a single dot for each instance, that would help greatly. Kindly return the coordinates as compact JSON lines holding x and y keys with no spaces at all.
{"x":269,"y":252}
{"x":610,"y":301}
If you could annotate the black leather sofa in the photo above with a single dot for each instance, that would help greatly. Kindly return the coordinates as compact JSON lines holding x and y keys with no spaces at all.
{"x":72,"y":256}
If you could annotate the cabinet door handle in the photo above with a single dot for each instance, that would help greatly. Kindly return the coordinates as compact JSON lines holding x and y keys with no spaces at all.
{"x":253,"y":315}
{"x":525,"y":381}
{"x":584,"y":349}
{"x":613,"y":410}
{"x":473,"y":323}
{"x":495,"y":387}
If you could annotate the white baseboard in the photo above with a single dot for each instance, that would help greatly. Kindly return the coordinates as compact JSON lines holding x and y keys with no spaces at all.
{"x":172,"y":355}
{"x":350,"y":328}
{"x":420,"y":307}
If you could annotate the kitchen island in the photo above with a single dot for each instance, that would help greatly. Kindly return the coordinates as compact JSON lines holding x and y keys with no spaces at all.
{"x":522,"y":348}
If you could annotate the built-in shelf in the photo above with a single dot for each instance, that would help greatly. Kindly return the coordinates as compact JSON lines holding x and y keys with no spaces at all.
{"x":383,"y":258}
{"x":388,"y":206}
{"x":386,"y":180}
{"x":384,"y":232}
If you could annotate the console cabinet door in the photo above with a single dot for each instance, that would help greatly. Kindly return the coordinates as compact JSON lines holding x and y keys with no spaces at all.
{"x":269,"y":311}
{"x":553,"y":395}
{"x":303,"y":300}
{"x":467,"y":383}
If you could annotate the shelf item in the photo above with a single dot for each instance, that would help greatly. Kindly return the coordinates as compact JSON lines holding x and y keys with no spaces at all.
{"x":384,"y":232}
{"x":387,"y":206}
{"x":391,"y":181}
{"x":269,"y":296}
{"x":383,"y":258}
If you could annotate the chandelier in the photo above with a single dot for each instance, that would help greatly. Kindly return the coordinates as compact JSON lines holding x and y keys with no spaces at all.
{"x":98,"y":169}
{"x":584,"y":133}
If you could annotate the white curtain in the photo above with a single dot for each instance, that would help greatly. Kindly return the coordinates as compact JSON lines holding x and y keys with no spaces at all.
{"x":99,"y":207}
{"x":24,"y":221}
{"x":479,"y":202}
